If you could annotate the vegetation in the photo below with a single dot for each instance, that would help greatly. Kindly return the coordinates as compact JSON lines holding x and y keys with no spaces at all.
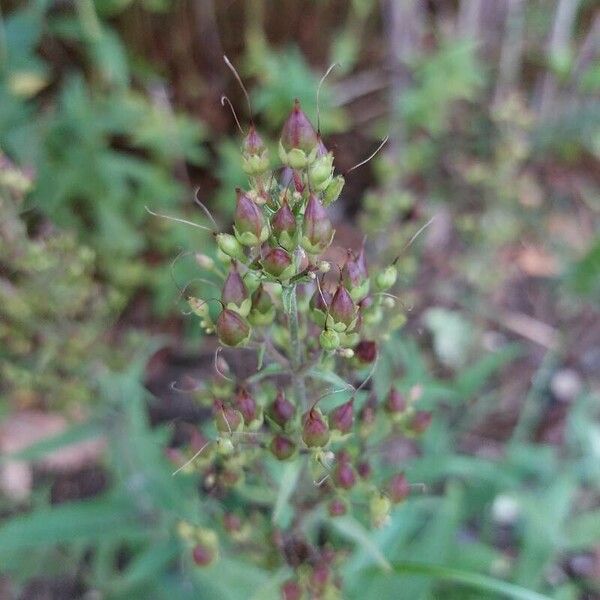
{"x":198,"y":381}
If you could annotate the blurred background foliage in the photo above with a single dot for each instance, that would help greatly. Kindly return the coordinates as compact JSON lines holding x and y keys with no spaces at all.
{"x":493,"y":118}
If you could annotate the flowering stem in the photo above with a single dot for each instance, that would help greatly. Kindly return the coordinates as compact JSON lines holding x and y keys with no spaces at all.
{"x":296,"y":352}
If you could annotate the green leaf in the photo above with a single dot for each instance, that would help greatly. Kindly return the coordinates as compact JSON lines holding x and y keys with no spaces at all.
{"x":272,"y":369}
{"x":287,"y":485}
{"x":104,"y":518}
{"x":330,"y":377}
{"x":467,"y":578}
{"x":147,"y":565}
{"x":351,"y":529}
{"x":584,"y":531}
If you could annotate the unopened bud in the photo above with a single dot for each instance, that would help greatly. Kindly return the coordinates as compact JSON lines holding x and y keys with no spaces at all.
{"x":291,"y":590}
{"x":344,"y":475}
{"x":398,"y":488}
{"x":282,"y":410}
{"x":246,"y":404}
{"x":342,"y":310}
{"x":298,"y":132}
{"x":232,"y":328}
{"x":235,"y":295}
{"x":420,"y":421}
{"x":366,"y":351}
{"x":315,"y":432}
{"x":396,"y":402}
{"x":355,"y":275}
{"x":277,"y":262}
{"x":249,"y":224}
{"x":227,"y":419}
{"x":232,"y":522}
{"x":317,"y":231}
{"x":282,"y":447}
{"x":203,"y":555}
{"x":337,"y":507}
{"x":283,"y":225}
{"x":342,"y":417}
{"x":364,"y":469}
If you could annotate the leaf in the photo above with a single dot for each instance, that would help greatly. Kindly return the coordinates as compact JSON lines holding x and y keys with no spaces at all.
{"x":287,"y":485}
{"x":351,"y":529}
{"x":108,"y":517}
{"x":467,"y":578}
{"x":471,"y":379}
{"x":147,"y":565}
{"x":330,"y":377}
{"x":272,"y":369}
{"x":584,"y":531}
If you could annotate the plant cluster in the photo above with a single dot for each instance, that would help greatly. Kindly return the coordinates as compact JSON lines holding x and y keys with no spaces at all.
{"x":52,"y":310}
{"x":313,"y":322}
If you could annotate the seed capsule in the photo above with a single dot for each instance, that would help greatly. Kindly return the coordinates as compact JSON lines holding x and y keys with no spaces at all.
{"x":317,"y":231}
{"x":315,"y":432}
{"x":232,"y":328}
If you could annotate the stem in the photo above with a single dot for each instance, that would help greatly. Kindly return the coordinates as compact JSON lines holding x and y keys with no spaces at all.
{"x":296,"y":352}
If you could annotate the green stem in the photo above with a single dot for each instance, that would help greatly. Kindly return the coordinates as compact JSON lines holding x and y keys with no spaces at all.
{"x":296,"y":352}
